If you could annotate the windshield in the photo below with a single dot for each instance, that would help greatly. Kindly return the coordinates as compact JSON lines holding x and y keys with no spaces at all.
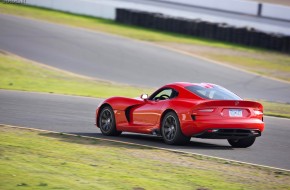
{"x":214,"y":92}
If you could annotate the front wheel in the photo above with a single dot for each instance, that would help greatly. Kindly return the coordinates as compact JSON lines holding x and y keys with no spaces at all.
{"x":242,"y":143}
{"x":171,"y":131}
{"x":107,"y":122}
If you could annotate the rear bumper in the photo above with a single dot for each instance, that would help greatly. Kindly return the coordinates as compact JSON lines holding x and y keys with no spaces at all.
{"x":223,"y":129}
{"x":228,"y":133}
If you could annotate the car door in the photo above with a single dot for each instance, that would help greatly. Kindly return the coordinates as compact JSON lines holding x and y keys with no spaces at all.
{"x":149,"y":113}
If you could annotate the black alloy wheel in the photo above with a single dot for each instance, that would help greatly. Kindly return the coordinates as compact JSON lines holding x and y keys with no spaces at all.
{"x":107,"y":122}
{"x":171,"y":131}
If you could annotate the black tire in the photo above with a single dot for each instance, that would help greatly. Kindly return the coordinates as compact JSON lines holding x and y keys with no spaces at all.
{"x":171,"y":132}
{"x":242,"y":143}
{"x":107,"y":122}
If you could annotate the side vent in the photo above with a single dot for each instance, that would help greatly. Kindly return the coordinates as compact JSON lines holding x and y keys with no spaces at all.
{"x":127,"y":113}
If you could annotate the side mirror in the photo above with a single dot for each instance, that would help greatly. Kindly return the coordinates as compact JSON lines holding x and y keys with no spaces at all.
{"x":144,"y":96}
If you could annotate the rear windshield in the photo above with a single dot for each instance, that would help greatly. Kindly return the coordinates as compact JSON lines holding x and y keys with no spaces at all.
{"x":213,"y":92}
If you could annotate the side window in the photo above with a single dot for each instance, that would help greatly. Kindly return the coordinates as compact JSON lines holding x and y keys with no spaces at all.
{"x":164,"y":94}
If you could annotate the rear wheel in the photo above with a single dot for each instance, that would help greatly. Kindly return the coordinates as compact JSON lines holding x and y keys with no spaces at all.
{"x":242,"y":143}
{"x":171,"y":131}
{"x":107,"y":122}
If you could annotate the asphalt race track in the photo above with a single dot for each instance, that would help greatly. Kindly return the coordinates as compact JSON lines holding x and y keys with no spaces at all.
{"x":75,"y":115}
{"x":123,"y":60}
{"x":127,"y":61}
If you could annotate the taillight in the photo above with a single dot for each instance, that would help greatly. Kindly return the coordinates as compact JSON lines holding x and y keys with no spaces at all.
{"x":258,"y":112}
{"x":203,"y":111}
{"x":207,"y":110}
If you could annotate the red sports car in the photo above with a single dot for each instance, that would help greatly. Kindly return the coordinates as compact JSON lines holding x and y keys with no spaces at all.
{"x":179,"y":111}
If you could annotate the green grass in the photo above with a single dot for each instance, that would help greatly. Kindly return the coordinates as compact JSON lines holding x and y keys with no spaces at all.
{"x":269,"y":65}
{"x":276,"y":109}
{"x":260,"y":61}
{"x":21,"y":74}
{"x":34,"y":160}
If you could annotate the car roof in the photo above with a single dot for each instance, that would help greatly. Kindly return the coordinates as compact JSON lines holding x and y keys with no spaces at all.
{"x":185,"y":84}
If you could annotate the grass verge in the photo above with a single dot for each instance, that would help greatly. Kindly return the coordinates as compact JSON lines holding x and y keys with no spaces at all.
{"x":33,"y":160}
{"x":21,"y":74}
{"x":256,"y":60}
{"x":276,"y":109}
